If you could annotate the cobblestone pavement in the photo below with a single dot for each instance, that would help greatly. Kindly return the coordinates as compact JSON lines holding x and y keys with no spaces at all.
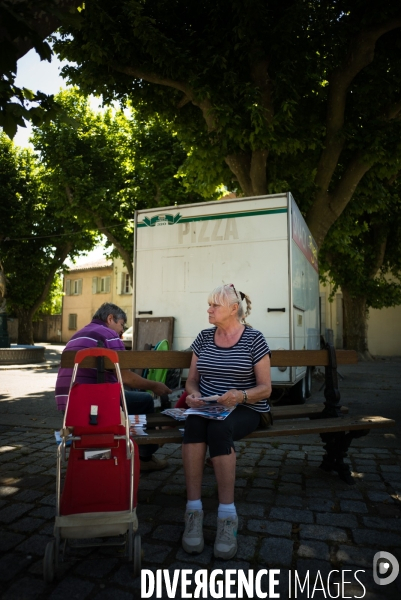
{"x":292,"y":516}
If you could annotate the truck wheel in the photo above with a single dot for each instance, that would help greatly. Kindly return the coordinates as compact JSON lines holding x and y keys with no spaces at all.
{"x":298,"y":392}
{"x":308,"y":379}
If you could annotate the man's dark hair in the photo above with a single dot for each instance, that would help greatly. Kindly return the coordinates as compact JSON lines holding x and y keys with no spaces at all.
{"x":110,"y":309}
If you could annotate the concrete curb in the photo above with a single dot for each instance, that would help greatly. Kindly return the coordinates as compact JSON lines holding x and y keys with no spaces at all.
{"x":46,"y":365}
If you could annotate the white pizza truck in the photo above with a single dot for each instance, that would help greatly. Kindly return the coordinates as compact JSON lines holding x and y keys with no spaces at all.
{"x":260,"y":244}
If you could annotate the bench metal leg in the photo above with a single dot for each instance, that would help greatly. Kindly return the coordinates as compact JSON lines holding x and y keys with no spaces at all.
{"x":332,"y":407}
{"x":338,"y":443}
{"x":336,"y":446}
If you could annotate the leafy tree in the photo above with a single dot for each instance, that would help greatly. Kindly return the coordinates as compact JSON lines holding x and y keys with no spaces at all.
{"x":34,"y":239}
{"x":52,"y":305}
{"x":362,"y":254}
{"x":25,"y":25}
{"x":248,"y":83}
{"x":107,"y":165}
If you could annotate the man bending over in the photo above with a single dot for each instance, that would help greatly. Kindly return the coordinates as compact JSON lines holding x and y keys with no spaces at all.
{"x":106,"y":327}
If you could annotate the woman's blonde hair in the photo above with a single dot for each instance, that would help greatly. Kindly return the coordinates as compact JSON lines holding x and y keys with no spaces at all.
{"x":227,"y":295}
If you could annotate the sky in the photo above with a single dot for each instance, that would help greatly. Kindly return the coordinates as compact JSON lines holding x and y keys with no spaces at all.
{"x":35,"y":75}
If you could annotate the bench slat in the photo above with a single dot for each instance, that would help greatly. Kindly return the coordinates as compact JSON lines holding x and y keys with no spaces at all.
{"x":283,"y":428}
{"x":172,"y":359}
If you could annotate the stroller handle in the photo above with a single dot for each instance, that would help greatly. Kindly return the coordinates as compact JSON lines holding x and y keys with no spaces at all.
{"x":110,"y":354}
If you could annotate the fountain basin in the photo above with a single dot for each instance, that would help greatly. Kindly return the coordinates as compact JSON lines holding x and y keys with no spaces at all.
{"x":19,"y":354}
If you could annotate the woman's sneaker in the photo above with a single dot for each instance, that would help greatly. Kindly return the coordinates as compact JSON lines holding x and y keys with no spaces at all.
{"x":192,"y":540}
{"x":225,"y":545}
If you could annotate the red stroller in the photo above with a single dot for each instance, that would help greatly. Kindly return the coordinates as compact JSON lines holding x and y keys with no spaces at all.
{"x":99,"y":495}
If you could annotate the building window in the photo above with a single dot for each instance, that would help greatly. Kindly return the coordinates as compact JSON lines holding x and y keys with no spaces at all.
{"x":73,"y":287}
{"x":125,"y":284}
{"x":101,"y":285}
{"x":72,"y":321}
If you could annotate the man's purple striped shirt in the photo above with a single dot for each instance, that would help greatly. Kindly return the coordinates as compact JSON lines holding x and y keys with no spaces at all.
{"x":87,"y":337}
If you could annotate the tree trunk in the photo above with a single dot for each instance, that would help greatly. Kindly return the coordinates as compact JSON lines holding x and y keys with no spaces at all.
{"x":249,"y":170}
{"x":355,"y":324}
{"x":25,"y":327}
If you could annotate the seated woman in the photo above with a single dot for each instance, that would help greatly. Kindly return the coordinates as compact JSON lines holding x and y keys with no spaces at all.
{"x":230,"y":360}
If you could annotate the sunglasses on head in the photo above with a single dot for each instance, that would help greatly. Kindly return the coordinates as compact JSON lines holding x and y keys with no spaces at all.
{"x":240,"y":295}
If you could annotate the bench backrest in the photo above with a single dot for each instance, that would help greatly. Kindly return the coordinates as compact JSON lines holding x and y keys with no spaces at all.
{"x":172,"y":359}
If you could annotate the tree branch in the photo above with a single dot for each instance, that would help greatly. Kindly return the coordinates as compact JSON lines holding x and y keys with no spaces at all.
{"x":61,"y":254}
{"x":126,"y":256}
{"x":393,"y":179}
{"x":380,"y":250}
{"x":184,"y":100}
{"x":41,"y":22}
{"x":360,"y":54}
{"x":261,"y":79}
{"x":346,"y":187}
{"x":240,"y":165}
{"x":204,"y":105}
{"x":158,"y":194}
{"x":258,"y":172}
{"x":394,"y":111}
{"x":328,"y":207}
{"x":69,"y":194}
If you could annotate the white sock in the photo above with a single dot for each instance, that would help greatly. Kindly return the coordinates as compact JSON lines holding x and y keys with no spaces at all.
{"x":226,"y":511}
{"x":194,"y":505}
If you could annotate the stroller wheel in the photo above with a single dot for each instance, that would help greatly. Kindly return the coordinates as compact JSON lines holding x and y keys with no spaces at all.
{"x":137,"y":555}
{"x":48,"y":562}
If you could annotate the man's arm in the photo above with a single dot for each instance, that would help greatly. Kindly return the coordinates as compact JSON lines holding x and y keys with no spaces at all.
{"x":136,"y":381}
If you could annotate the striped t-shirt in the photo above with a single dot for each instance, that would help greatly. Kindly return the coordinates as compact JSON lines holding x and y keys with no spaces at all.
{"x":223,"y":369}
{"x":87,"y":337}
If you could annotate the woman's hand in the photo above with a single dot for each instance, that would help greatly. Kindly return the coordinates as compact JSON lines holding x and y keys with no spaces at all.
{"x":193,"y":400}
{"x":231,"y":398}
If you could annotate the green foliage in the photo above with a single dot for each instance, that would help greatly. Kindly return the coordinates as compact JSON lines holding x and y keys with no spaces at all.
{"x":235,"y":77}
{"x":108,"y":165}
{"x":207,"y":47}
{"x":54,"y":300}
{"x":159,"y":175}
{"x":24,"y":25}
{"x":34,"y":239}
{"x":362,"y":251}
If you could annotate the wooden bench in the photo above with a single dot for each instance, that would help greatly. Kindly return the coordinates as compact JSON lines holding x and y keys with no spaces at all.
{"x":332,"y":422}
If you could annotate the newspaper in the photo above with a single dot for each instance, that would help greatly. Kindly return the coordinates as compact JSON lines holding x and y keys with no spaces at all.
{"x":211,"y":411}
{"x":137,"y":420}
{"x":209,"y":399}
{"x":214,"y":411}
{"x":104,"y":454}
{"x":137,"y":424}
{"x":176,"y":413}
